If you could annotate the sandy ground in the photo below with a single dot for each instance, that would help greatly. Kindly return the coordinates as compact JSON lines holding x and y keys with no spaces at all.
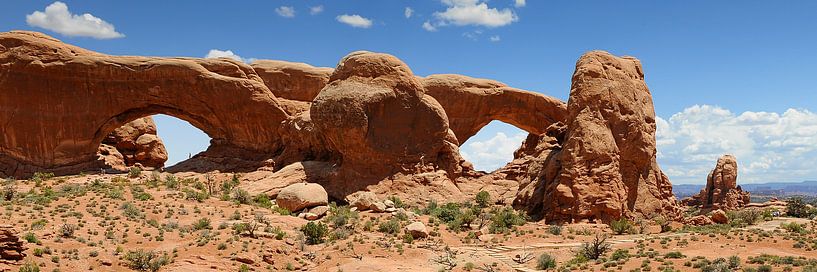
{"x":99,"y":222}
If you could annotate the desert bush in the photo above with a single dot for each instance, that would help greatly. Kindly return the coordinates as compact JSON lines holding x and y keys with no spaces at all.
{"x":745,"y":217}
{"x":505,"y":218}
{"x":31,"y":238}
{"x":794,"y":227}
{"x":545,"y":262}
{"x":392,"y":226}
{"x":146,"y":260}
{"x":663,"y":222}
{"x":341,"y":216}
{"x":67,"y":230}
{"x":620,"y":254}
{"x":314,"y":232}
{"x":674,"y":255}
{"x":621,"y":226}
{"x":555,"y":229}
{"x":398,"y":203}
{"x":241,"y":196}
{"x":171,"y":182}
{"x":9,"y":189}
{"x":796,"y":207}
{"x":593,"y":250}
{"x":262,"y":200}
{"x":483,"y":199}
{"x":134,"y":172}
{"x":30,"y":267}
{"x":202,"y":223}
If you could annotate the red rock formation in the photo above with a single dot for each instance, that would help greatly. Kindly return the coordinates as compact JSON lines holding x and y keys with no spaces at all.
{"x":472,"y":103}
{"x":722,"y":190}
{"x":11,"y":247}
{"x":603,"y":166}
{"x":59,"y":102}
{"x":134,"y":143}
{"x":292,"y":80}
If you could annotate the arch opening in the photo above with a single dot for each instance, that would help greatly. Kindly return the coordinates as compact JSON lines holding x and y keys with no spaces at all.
{"x":493,"y":146}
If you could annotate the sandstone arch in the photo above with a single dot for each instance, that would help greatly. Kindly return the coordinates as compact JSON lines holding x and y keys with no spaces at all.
{"x":472,"y":103}
{"x":59,"y":101}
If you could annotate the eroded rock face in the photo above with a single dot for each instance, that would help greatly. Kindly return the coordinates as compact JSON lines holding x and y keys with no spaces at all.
{"x":375,"y":114}
{"x":136,"y":143}
{"x":603,"y":165}
{"x":722,"y":190}
{"x":471,"y":103}
{"x":292,"y":80}
{"x":59,"y":102}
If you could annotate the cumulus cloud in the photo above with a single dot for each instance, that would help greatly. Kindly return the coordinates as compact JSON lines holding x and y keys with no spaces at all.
{"x":519,"y":3}
{"x":429,"y":27}
{"x":493,"y":153}
{"x":355,"y":20}
{"x":495,"y":38}
{"x":408,"y":12}
{"x":473,"y":13}
{"x":316,"y":10}
{"x":285,"y":11}
{"x":58,"y":18}
{"x":769,"y":146}
{"x":216,"y":53}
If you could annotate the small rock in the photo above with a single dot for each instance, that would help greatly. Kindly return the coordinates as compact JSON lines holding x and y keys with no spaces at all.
{"x":391,"y":210}
{"x":244,"y":259}
{"x":719,"y":216}
{"x":485,"y":237}
{"x":378,"y":207}
{"x":361,"y":200}
{"x":417,"y":230}
{"x":320,"y":211}
{"x":310,"y":216}
{"x":389,"y":203}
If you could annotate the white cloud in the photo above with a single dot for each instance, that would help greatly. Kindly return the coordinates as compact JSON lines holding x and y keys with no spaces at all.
{"x":475,"y":13}
{"x":493,"y":153}
{"x":519,"y":3}
{"x":316,"y":10}
{"x":58,"y":18}
{"x":495,"y":38}
{"x":355,"y":20}
{"x":408,"y":12}
{"x":285,"y":11}
{"x":216,"y":53}
{"x":429,"y":27}
{"x":769,"y":146}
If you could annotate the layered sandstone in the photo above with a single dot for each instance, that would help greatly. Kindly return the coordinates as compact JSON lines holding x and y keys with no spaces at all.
{"x":59,"y":102}
{"x":722,"y":190}
{"x":602,"y":164}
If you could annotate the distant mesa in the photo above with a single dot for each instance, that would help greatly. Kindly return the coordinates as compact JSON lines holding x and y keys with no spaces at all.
{"x":368,"y":125}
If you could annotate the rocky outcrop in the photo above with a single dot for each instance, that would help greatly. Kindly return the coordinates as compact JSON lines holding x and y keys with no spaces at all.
{"x":375,"y":114}
{"x":601,"y":164}
{"x":721,"y":190}
{"x":471,"y":103}
{"x":11,"y":247}
{"x":59,"y":102}
{"x":134,"y":143}
{"x":292,"y":80}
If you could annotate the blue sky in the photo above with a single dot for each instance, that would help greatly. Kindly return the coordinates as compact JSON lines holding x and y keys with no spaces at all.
{"x":727,"y":77}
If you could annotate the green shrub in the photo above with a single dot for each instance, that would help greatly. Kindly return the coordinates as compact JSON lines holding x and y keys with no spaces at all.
{"x":555,"y":229}
{"x":505,"y":218}
{"x":545,"y":262}
{"x":621,"y":226}
{"x":171,"y":182}
{"x":483,"y":199}
{"x":620,"y":254}
{"x":674,"y":255}
{"x":241,"y":196}
{"x":202,"y":223}
{"x":262,"y":200}
{"x":392,"y":226}
{"x":131,"y":211}
{"x":30,"y":267}
{"x":146,"y":260}
{"x":314,"y":232}
{"x":794,"y":227}
{"x":341,"y":216}
{"x":796,"y":207}
{"x":134,"y":172}
{"x":31,"y":238}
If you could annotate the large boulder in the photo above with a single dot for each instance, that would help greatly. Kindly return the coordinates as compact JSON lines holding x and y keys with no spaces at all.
{"x":601,"y":164}
{"x":137,"y":142}
{"x":300,"y":196}
{"x":722,"y":190}
{"x":417,"y":230}
{"x":11,"y":247}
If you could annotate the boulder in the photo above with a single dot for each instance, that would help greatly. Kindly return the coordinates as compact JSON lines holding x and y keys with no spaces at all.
{"x":721,"y":190}
{"x":300,"y":196}
{"x":601,"y":163}
{"x":134,"y":143}
{"x":378,"y":207}
{"x":320,"y":211}
{"x":362,"y":200}
{"x":11,"y":247}
{"x":376,"y":115}
{"x":417,"y":230}
{"x":719,"y":216}
{"x":698,"y":220}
